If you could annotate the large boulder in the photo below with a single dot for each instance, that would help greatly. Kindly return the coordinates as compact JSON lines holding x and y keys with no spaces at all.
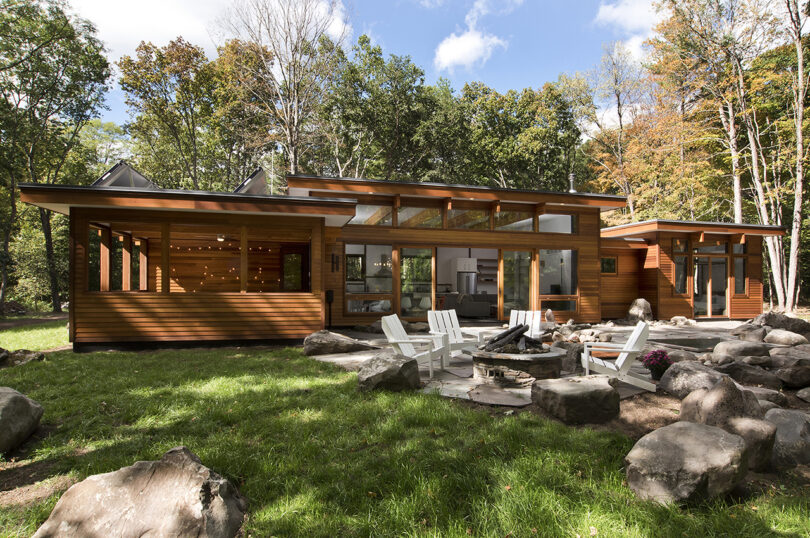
{"x":758,"y":360}
{"x":589,"y":399}
{"x":785,"y":338}
{"x":759,"y":436}
{"x":794,"y":377}
{"x":678,"y":355}
{"x":684,"y":377}
{"x":719,"y":404}
{"x":750,"y":332}
{"x":748,"y":374}
{"x":389,"y":370}
{"x":174,"y":496}
{"x":783,"y":360}
{"x":19,"y":418}
{"x":792,"y":446}
{"x":770,"y":395}
{"x":325,"y":342}
{"x":777,"y":320}
{"x":572,"y":362}
{"x":640,"y":310}
{"x":740,"y":348}
{"x":804,"y":394}
{"x":768,"y":405}
{"x":685,"y":462}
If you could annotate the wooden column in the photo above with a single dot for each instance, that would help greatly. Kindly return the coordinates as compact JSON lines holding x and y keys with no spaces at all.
{"x":165,"y":275}
{"x":143,"y":264}
{"x":500,"y":281}
{"x":395,"y":213}
{"x":104,"y":259}
{"x":446,"y":207}
{"x":395,"y":283}
{"x":495,"y":208}
{"x":243,"y":260}
{"x":126,"y":262}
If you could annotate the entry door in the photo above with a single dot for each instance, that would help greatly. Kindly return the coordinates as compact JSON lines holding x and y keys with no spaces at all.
{"x":517,"y":267}
{"x":711,"y":287}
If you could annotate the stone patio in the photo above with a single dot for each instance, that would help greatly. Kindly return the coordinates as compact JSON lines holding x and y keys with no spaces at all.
{"x":456,"y":380}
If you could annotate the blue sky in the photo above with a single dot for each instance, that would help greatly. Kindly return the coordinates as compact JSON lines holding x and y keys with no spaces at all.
{"x":503,"y":43}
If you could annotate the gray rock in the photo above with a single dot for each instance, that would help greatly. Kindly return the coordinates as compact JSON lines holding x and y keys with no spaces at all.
{"x":778,"y":320}
{"x":605,"y":337}
{"x":750,"y":375}
{"x":678,"y":355}
{"x":785,"y":338}
{"x":175,"y":496}
{"x":640,"y":310}
{"x":4,"y":355}
{"x":767,"y":405}
{"x":740,"y":348}
{"x":794,"y":377}
{"x":757,"y":360}
{"x":792,"y":446}
{"x":739,"y":330}
{"x":549,"y":315}
{"x":783,"y":360}
{"x":685,"y":462}
{"x":762,"y":393}
{"x":804,"y":394}
{"x":24,"y":356}
{"x":719,"y":404}
{"x":749,"y":332}
{"x":681,"y":321}
{"x":759,"y":436}
{"x":19,"y":418}
{"x":721,"y":358}
{"x":684,"y":377}
{"x":589,"y":399}
{"x":325,"y":342}
{"x":390,"y":371}
{"x":572,"y":361}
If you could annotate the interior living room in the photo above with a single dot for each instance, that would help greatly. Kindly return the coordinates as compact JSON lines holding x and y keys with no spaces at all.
{"x":467,"y":282}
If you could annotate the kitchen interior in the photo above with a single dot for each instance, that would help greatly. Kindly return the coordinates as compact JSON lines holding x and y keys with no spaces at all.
{"x":467,"y":282}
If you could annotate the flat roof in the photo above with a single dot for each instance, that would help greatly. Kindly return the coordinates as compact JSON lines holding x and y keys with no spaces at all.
{"x":302,"y":184}
{"x":60,"y":198}
{"x":664,"y":225}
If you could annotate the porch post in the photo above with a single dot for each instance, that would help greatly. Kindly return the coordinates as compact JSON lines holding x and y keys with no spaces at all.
{"x":126,"y":263}
{"x":104,"y":259}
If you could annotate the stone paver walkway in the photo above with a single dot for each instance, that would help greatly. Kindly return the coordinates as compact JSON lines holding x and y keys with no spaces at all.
{"x":456,"y":380}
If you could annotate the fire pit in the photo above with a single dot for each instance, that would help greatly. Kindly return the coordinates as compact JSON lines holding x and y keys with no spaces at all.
{"x":513,"y":359}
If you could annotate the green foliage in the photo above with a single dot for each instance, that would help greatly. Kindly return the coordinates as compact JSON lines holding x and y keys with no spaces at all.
{"x":30,"y":270}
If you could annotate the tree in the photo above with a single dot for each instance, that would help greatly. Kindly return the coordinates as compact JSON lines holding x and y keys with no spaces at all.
{"x":170,"y":92}
{"x":288,"y":65}
{"x":48,"y":98}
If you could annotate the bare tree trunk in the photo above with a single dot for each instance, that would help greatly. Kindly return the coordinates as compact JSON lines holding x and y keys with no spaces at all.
{"x":729,"y":120}
{"x":799,"y":95}
{"x":50,"y":259}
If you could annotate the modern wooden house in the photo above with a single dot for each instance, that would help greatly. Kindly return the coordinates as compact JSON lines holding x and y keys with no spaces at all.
{"x":149,"y":264}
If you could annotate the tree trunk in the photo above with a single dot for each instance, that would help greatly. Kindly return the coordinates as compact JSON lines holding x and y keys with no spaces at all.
{"x":6,"y":255}
{"x":50,"y":258}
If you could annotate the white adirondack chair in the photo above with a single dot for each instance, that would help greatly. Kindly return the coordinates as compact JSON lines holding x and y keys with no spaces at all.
{"x":628,"y":352}
{"x":533,"y":318}
{"x":437,"y":346}
{"x":446,"y":322}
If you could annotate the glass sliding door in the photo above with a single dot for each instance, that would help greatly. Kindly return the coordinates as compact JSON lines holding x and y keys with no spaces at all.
{"x":516,"y":280}
{"x":711,"y":287}
{"x":416,"y":282}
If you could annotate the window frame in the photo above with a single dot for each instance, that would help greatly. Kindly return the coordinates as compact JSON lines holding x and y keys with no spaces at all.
{"x":734,"y":276}
{"x":615,"y":271}
{"x":570,"y":297}
{"x":366,"y":296}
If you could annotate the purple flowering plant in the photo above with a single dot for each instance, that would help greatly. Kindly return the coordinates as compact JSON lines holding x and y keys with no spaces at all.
{"x":656,"y":360}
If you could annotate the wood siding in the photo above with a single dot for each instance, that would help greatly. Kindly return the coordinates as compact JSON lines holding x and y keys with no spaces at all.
{"x":159,"y":315}
{"x":621,"y":289}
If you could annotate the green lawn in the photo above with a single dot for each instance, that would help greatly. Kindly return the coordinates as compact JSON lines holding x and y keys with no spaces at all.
{"x":47,"y":335}
{"x":317,"y":458}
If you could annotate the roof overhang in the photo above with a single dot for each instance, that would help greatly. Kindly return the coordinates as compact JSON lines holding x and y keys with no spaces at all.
{"x":714,"y":228}
{"x":61,"y":198}
{"x":301,"y":185}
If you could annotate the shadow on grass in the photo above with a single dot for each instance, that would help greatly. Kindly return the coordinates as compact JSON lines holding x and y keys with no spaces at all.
{"x":316,"y":457}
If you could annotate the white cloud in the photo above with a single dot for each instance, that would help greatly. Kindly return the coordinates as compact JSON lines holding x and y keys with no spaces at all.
{"x":632,"y":16}
{"x":633,"y":20}
{"x":472,"y":46}
{"x":466,"y":49}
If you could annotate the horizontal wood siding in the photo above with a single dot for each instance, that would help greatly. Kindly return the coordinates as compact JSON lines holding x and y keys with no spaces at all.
{"x":671,"y":304}
{"x":746,"y":307}
{"x":142,"y":316}
{"x":621,"y":289}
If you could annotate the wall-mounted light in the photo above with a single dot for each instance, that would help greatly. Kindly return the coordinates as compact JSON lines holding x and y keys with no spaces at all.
{"x":220,"y":238}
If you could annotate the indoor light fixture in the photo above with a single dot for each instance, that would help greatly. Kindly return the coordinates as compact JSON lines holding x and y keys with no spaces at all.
{"x":220,"y":238}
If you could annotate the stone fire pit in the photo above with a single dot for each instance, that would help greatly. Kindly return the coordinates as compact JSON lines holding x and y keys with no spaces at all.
{"x":516,"y":369}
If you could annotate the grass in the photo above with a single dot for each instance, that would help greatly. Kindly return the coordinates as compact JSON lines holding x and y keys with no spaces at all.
{"x":37,"y":337}
{"x":317,"y":458}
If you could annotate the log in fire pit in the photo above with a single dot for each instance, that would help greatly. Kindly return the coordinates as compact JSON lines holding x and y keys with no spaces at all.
{"x":513,"y":359}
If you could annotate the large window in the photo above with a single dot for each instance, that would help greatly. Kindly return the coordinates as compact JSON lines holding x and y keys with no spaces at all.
{"x":373,"y":215}
{"x":681,"y":270}
{"x":369,"y":280}
{"x":419,"y":217}
{"x":516,"y":276}
{"x":554,"y":223}
{"x":514,"y":221}
{"x":114,"y":258}
{"x":740,"y":276}
{"x":558,"y":272}
{"x":416,"y":281}
{"x":468,"y":219}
